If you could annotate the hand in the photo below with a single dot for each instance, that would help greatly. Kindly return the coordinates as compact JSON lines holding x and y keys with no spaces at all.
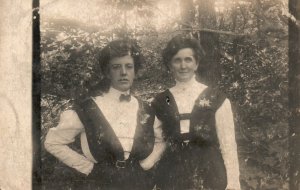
{"x":146,"y":165}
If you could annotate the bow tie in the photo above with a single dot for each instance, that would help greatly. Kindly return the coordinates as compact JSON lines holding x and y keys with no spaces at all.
{"x":124,"y":97}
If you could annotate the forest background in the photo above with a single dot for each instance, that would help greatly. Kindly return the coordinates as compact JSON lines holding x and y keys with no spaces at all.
{"x":247,"y":57}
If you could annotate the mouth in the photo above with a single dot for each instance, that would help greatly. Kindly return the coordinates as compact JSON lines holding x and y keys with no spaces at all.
{"x":183,"y":72}
{"x":123,"y":80}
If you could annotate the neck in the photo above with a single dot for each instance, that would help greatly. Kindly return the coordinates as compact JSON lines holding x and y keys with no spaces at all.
{"x":116,"y":91}
{"x":184,"y":83}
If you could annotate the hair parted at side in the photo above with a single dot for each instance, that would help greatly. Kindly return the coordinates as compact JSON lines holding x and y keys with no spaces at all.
{"x":179,"y":42}
{"x":120,"y":48}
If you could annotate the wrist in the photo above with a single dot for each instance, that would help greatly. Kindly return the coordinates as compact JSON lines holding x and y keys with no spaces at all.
{"x":233,"y":187}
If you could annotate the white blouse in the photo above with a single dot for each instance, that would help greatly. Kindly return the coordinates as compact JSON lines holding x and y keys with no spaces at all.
{"x":224,"y":126}
{"x":122,"y":117}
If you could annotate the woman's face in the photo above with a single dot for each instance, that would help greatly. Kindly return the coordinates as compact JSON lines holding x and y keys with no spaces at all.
{"x":183,"y":65}
{"x":121,"y":72}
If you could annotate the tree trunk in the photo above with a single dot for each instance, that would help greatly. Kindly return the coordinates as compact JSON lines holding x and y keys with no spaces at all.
{"x":209,"y":68}
{"x":207,"y":14}
{"x":294,"y":95}
{"x":187,"y":12}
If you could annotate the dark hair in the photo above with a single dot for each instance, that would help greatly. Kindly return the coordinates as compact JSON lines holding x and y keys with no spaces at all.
{"x":179,"y":42}
{"x":120,"y":48}
{"x":114,"y":49}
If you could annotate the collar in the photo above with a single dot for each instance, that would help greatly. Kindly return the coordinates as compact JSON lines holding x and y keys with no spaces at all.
{"x":115,"y":94}
{"x":190,"y":85}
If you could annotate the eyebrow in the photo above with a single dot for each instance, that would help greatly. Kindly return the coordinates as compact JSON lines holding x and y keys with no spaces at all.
{"x":122,"y":64}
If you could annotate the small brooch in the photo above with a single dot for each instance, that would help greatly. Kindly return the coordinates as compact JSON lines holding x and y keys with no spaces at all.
{"x":198,"y":127}
{"x":204,"y":102}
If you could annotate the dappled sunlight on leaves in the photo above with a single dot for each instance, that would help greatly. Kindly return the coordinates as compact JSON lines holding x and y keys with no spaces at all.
{"x":252,"y":72}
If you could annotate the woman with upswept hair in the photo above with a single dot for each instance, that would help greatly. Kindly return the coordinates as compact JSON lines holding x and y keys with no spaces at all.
{"x":195,"y":138}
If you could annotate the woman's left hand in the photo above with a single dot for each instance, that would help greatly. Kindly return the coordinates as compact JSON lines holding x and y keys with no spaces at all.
{"x":146,"y":165}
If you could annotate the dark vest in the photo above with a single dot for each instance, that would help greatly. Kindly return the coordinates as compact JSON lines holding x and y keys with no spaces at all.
{"x":202,"y":118}
{"x":103,"y":142}
{"x":192,"y":160}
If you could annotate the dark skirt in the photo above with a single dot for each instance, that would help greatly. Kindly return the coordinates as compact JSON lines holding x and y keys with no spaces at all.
{"x":102,"y":177}
{"x":191,"y":167}
{"x":132,"y":177}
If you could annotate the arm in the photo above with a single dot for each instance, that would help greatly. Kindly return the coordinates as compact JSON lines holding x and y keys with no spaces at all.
{"x":158,"y":149}
{"x":226,"y":136}
{"x":59,"y":137}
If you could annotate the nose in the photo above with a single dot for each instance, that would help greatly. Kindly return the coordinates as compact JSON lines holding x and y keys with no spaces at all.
{"x":182,"y":65}
{"x":123,"y":70}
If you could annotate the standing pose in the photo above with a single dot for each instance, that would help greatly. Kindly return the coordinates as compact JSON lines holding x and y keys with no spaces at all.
{"x":193,"y":126}
{"x":116,"y":129}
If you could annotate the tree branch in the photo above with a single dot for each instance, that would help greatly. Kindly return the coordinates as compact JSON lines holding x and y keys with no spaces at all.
{"x":215,"y":31}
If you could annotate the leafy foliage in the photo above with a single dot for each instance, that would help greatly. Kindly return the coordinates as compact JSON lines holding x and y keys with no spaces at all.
{"x":252,"y":68}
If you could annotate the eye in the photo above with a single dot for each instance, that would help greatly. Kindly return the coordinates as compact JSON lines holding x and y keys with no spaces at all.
{"x":188,"y":59}
{"x":115,"y":66}
{"x":176,"y":61}
{"x":130,"y":66}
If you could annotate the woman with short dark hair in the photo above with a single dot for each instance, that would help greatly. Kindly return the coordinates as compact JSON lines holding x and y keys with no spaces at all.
{"x":193,"y":126}
{"x":116,"y":129}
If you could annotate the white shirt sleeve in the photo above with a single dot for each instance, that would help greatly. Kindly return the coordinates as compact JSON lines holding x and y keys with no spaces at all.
{"x":158,"y":149}
{"x":59,"y":137}
{"x":226,"y":135}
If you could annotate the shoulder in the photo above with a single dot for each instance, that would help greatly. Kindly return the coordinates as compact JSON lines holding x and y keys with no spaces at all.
{"x":82,"y":101}
{"x":214,"y":93}
{"x":68,"y":114}
{"x":143,"y":106}
{"x":211,"y":96}
{"x":85,"y":103}
{"x":69,"y":118}
{"x":161,"y":102}
{"x":225,"y":106}
{"x":84,"y":108}
{"x":161,"y":97}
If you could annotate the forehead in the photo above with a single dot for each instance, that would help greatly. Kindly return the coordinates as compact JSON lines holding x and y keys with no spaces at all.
{"x":185,"y":52}
{"x":122,"y":60}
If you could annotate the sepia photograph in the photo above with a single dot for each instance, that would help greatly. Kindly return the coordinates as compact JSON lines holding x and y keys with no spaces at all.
{"x":154,"y":94}
{"x":162,"y":95}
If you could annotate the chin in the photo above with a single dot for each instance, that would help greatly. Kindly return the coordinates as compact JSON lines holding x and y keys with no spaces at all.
{"x":124,"y":88}
{"x":184,"y":79}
